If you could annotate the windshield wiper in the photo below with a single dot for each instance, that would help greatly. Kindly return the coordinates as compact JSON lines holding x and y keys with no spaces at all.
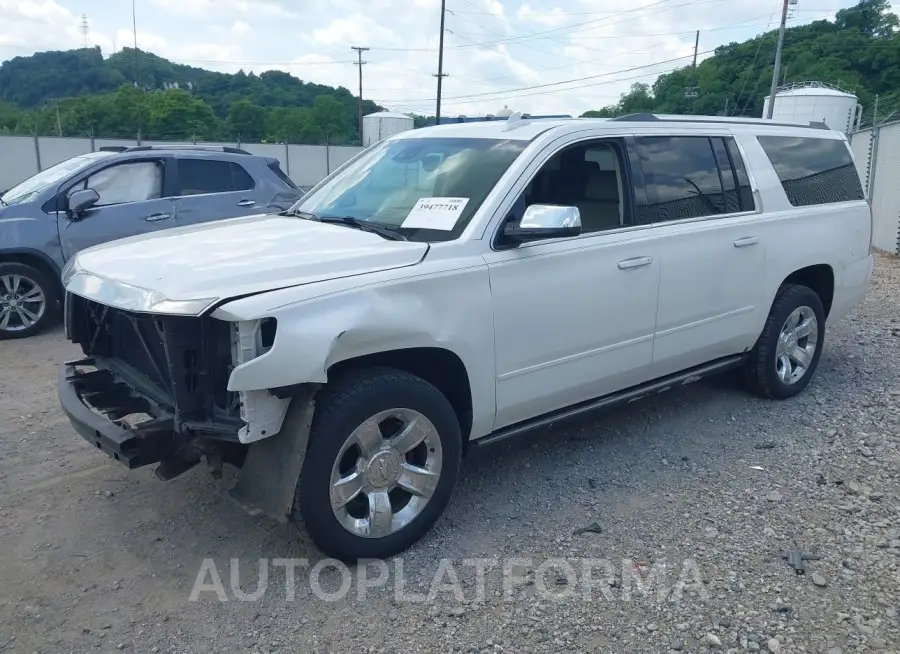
{"x":384,"y":231}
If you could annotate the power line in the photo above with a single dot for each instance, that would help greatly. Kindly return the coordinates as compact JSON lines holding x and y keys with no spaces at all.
{"x":569,"y":81}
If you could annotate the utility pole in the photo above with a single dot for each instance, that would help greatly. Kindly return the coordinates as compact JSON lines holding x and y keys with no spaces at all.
{"x":360,"y":63}
{"x":774,"y":89}
{"x":696,"y":44}
{"x":134,"y":28}
{"x":440,"y":74}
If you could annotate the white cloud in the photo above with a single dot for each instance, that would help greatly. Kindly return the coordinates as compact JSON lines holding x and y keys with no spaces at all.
{"x":239,"y":28}
{"x":576,"y":39}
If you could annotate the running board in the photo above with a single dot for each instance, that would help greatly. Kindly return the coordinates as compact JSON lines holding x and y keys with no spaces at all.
{"x":627,"y":396}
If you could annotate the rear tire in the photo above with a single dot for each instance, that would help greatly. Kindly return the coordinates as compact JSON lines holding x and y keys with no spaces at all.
{"x":384,"y":454}
{"x":786,"y":355}
{"x":29,"y":300}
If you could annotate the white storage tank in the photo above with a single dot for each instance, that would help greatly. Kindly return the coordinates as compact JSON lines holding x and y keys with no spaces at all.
{"x":816,"y":102}
{"x":383,"y":124}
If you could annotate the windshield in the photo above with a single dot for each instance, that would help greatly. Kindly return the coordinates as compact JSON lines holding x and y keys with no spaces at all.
{"x":49,"y":177}
{"x":426,"y":188}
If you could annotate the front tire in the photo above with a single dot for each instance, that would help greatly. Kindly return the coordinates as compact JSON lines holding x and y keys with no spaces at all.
{"x":28,"y":300}
{"x":383,"y":458}
{"x":785,"y":358}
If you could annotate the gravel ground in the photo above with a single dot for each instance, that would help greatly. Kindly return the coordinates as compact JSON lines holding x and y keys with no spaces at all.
{"x":689,"y":500}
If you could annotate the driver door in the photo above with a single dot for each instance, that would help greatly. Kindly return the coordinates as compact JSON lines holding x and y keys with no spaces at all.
{"x":133,"y":200}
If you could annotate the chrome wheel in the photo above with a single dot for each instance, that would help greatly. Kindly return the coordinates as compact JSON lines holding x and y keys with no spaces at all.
{"x":797,"y":344}
{"x":385,"y":473}
{"x":22,"y":303}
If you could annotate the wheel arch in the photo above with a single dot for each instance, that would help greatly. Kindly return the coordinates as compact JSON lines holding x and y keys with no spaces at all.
{"x":818,"y":277}
{"x":441,"y":367}
{"x":35,"y":259}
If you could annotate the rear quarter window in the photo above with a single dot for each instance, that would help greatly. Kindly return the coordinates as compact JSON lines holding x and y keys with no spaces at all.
{"x":813,"y":171}
{"x":275,"y":168}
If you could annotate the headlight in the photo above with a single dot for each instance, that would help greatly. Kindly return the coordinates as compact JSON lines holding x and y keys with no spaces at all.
{"x":71,"y":269}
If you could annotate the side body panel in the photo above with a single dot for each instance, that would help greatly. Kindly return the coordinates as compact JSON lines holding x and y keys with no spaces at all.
{"x":445,"y":304}
{"x":797,"y":237}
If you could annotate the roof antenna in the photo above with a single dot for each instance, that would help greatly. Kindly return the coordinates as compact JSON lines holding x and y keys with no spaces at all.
{"x":515,"y":121}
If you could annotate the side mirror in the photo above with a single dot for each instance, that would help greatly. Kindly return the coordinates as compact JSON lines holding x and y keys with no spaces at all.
{"x":543,"y":221}
{"x":82,"y":200}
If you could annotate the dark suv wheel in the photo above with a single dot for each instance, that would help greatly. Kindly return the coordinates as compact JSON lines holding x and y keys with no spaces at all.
{"x":787,"y":353}
{"x":28,"y":300}
{"x":383,"y":458}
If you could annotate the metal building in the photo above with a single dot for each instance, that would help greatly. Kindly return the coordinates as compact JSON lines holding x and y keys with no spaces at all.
{"x":816,"y":102}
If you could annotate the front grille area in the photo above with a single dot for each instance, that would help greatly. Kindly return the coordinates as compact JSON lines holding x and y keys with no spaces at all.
{"x":179,"y":363}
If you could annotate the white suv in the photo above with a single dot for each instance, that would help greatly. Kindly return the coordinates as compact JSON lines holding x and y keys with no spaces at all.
{"x":454,"y":286}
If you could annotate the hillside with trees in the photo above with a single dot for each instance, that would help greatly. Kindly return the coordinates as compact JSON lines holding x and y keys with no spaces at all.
{"x":859,"y":51}
{"x":79,"y":92}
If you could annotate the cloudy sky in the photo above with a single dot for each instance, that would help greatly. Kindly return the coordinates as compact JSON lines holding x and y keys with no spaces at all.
{"x":539,"y":56}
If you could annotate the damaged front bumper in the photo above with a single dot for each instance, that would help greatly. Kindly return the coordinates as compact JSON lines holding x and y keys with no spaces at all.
{"x":97,"y":403}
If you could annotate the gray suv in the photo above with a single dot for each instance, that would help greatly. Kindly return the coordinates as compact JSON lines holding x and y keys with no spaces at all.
{"x":111,"y":194}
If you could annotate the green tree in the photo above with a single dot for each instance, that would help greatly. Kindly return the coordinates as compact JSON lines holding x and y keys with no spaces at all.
{"x":327,"y":121}
{"x":869,"y":17}
{"x":246,"y":121}
{"x":176,"y":114}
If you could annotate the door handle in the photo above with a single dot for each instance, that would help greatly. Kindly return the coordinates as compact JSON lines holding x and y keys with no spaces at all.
{"x":155,"y":218}
{"x":744,"y":242}
{"x":246,"y":203}
{"x":637,"y":262}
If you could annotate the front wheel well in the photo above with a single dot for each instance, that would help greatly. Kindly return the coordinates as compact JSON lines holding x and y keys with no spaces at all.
{"x":37,"y":263}
{"x":820,"y":278}
{"x":441,"y":368}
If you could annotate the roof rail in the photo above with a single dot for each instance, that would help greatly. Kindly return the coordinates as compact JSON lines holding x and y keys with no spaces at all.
{"x":113,"y":148}
{"x":649,"y":118}
{"x":207,"y":148}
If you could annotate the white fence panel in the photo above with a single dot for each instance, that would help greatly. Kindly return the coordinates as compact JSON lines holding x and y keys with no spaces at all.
{"x":886,"y":191}
{"x":55,"y":149}
{"x":861,"y":145}
{"x":18,"y":160}
{"x":340,"y":156}
{"x":309,"y":164}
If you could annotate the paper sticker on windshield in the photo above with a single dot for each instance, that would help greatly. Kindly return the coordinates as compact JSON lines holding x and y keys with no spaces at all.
{"x":436,"y":213}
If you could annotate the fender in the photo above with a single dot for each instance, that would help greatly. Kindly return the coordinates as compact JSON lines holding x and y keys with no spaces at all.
{"x":451,"y":310}
{"x":51,"y":264}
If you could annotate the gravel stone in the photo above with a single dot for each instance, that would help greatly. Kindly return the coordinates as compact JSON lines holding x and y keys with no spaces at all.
{"x":819,"y":580}
{"x":711,"y":640}
{"x":694,"y":547}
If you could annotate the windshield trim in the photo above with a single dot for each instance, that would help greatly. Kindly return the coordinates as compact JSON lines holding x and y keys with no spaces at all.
{"x":374,"y":185}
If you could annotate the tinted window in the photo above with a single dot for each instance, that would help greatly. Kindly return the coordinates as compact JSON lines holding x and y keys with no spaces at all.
{"x":584,"y":176}
{"x":726,"y":173}
{"x":204,"y":176}
{"x":740,"y":173}
{"x":812,"y":170}
{"x":681,"y":176}
{"x":275,"y":168}
{"x":241,"y":178}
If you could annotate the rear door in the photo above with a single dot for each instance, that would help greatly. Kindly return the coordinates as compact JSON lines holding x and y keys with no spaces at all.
{"x":134,"y":199}
{"x":712,"y":254}
{"x":213,"y":189}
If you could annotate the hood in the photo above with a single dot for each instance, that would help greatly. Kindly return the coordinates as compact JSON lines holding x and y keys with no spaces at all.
{"x":185,"y":270}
